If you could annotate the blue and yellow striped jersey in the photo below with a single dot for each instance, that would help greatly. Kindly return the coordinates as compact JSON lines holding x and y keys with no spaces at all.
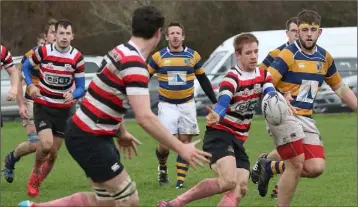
{"x":35,"y":74}
{"x":176,"y":74}
{"x":303,"y":74}
{"x":272,"y":55}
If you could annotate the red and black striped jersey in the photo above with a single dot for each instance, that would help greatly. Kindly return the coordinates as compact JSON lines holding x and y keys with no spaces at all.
{"x":57,"y":73}
{"x":245,"y":89}
{"x":6,"y":58}
{"x":123,"y":72}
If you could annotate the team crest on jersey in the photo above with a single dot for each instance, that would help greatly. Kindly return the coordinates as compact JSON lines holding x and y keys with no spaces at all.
{"x":115,"y":55}
{"x":68,"y":66}
{"x":187,"y":61}
{"x":49,"y":66}
{"x":319,"y":66}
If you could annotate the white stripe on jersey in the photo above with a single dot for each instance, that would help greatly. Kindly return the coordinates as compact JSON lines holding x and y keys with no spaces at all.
{"x":236,"y":120}
{"x":93,"y":125}
{"x":133,"y":71}
{"x":137,"y":91}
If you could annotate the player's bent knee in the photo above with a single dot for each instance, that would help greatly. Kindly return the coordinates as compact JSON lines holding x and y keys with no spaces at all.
{"x":243,"y":189}
{"x":227,"y":183}
{"x":313,"y":168}
{"x":126,"y":193}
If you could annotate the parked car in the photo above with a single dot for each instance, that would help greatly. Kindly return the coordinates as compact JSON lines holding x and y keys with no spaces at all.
{"x":10,"y":109}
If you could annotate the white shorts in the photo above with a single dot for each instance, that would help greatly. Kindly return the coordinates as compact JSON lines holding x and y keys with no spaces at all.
{"x":29,"y":104}
{"x":295,"y":128}
{"x":179,"y":118}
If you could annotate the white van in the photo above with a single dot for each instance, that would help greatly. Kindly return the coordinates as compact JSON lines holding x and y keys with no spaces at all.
{"x":341,"y":42}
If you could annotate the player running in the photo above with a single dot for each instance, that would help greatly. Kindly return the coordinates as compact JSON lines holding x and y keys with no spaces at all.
{"x":228,"y":125}
{"x":299,"y":71}
{"x":291,"y":32}
{"x":60,"y":66}
{"x":177,"y":67}
{"x":26,"y":112}
{"x":121,"y":82}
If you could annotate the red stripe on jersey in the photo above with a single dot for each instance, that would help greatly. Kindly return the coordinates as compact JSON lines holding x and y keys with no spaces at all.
{"x":228,"y":84}
{"x":128,"y":58}
{"x":112,"y":77}
{"x":44,"y":52}
{"x":227,"y":129}
{"x":3,"y":53}
{"x":62,"y":72}
{"x":251,"y":82}
{"x":136,"y":78}
{"x":81,"y":68}
{"x":100,"y":114}
{"x":60,"y":60}
{"x":34,"y":56}
{"x":82,"y":125}
{"x":246,"y":98}
{"x":236,"y":125}
{"x":54,"y":105}
{"x":105,"y":95}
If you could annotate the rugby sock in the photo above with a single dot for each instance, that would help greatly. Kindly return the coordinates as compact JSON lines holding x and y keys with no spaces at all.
{"x":275,"y":167}
{"x":77,"y":199}
{"x":162,"y":158}
{"x":13,"y":159}
{"x":229,"y":200}
{"x":182,"y":170}
{"x":46,"y":169}
{"x":205,"y":188}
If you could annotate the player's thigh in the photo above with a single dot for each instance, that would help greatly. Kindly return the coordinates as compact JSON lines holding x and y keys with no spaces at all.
{"x":288,"y":137}
{"x":59,"y":122}
{"x":169,"y":116}
{"x":242,"y":159}
{"x":97,"y":155}
{"x":29,"y":104}
{"x":188,"y":123}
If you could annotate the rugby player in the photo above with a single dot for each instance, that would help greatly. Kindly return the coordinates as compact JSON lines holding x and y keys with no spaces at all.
{"x":60,"y":66}
{"x":177,"y":66}
{"x":228,"y":125}
{"x":298,"y":72}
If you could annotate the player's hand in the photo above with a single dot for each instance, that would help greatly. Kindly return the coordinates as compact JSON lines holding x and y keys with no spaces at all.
{"x":127,"y":143}
{"x":194,"y":156}
{"x":23,"y":112}
{"x":68,"y":97}
{"x":212,"y":118}
{"x":291,"y":109}
{"x":12,"y":94}
{"x":34,"y":91}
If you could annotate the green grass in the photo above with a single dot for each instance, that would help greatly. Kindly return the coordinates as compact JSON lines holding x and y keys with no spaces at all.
{"x":336,"y":187}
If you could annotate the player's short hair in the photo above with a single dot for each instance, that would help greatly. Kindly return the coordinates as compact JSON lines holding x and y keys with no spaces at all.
{"x":146,"y":21}
{"x":64,"y":23}
{"x":309,"y":17}
{"x":175,"y":24}
{"x":242,"y":39}
{"x":289,"y":21}
{"x":51,"y":22}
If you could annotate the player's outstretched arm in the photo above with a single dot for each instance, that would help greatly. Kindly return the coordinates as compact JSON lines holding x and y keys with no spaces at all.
{"x":151,"y":124}
{"x":346,"y":94}
{"x":206,"y":86}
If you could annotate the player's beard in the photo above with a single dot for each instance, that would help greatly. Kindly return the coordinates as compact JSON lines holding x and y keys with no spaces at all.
{"x":308,"y":47}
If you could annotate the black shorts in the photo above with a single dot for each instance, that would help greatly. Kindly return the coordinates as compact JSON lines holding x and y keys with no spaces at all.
{"x":97,"y":155}
{"x":51,"y":118}
{"x":221,"y":143}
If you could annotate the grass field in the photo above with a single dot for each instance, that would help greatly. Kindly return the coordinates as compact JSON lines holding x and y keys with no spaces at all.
{"x":336,"y":187}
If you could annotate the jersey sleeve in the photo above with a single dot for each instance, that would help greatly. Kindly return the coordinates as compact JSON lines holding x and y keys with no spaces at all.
{"x":269,"y":59}
{"x":228,"y":85}
{"x":268,"y":85}
{"x":198,"y":67}
{"x":80,"y":66}
{"x":280,"y":65}
{"x":135,"y":75}
{"x":332,"y":76}
{"x":37,"y":56}
{"x":6,"y":58}
{"x":153,"y":63}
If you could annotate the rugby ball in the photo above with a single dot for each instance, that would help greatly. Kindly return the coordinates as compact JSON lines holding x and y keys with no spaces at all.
{"x":274,"y":108}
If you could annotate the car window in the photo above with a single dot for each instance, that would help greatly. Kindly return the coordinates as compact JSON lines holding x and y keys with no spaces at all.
{"x":346,"y":66}
{"x":210,"y":64}
{"x":91,"y":67}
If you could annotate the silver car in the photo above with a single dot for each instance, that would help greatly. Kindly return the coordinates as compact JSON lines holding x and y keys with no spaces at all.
{"x":10,"y":109}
